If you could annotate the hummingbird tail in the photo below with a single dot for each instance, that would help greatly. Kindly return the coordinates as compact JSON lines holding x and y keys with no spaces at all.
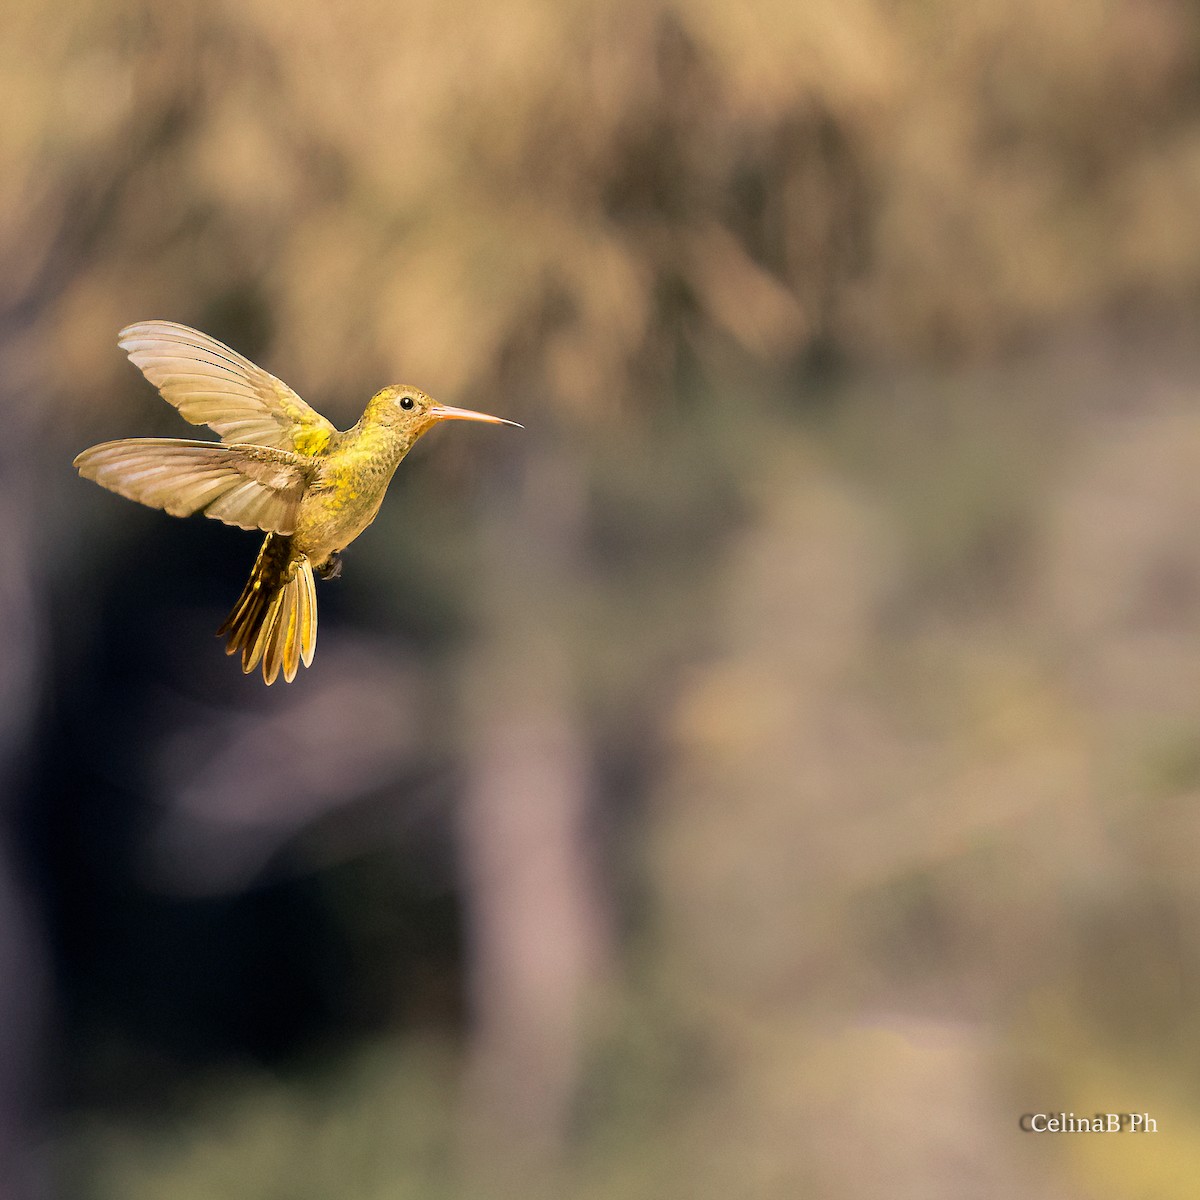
{"x":275,"y":617}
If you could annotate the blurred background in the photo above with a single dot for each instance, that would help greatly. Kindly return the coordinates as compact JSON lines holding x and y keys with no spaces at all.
{"x":771,"y":773}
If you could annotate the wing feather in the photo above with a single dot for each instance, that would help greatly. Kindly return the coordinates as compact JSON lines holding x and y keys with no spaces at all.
{"x":251,"y":486}
{"x":213,"y":385}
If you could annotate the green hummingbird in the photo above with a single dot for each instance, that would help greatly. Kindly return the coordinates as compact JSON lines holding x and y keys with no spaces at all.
{"x":280,"y":467}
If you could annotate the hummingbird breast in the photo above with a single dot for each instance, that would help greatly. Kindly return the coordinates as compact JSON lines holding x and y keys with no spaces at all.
{"x":349,"y":487}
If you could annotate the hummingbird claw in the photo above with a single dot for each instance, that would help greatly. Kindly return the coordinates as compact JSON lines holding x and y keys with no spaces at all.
{"x":331,"y":568}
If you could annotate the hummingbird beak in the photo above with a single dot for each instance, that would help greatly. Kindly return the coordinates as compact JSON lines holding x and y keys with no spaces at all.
{"x":444,"y":412}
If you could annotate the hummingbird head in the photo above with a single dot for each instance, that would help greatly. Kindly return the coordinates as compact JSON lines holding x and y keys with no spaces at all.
{"x":414,"y":411}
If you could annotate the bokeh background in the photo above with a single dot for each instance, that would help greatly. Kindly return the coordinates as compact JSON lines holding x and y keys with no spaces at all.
{"x":770,"y":774}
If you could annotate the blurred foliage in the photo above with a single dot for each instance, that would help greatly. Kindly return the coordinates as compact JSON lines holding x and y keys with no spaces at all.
{"x":827,"y":643}
{"x":550,"y":197}
{"x":378,"y":1127}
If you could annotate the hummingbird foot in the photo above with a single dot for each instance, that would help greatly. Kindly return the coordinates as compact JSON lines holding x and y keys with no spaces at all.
{"x":331,"y":568}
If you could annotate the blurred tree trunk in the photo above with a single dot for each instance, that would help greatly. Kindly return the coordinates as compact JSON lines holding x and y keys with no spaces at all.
{"x":538,"y":924}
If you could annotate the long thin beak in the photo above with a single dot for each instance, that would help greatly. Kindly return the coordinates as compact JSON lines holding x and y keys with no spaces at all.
{"x":443,"y":412}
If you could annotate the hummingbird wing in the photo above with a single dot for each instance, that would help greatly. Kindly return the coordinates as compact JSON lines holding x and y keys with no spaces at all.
{"x":215,"y":386}
{"x":253,"y":487}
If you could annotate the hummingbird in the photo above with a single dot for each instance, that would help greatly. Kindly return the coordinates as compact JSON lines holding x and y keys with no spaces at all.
{"x":280,"y":467}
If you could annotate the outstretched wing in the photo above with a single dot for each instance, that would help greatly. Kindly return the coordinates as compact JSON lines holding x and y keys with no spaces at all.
{"x":215,"y":386}
{"x":253,"y":487}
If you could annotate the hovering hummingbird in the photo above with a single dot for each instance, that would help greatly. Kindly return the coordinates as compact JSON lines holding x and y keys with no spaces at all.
{"x":280,"y":467}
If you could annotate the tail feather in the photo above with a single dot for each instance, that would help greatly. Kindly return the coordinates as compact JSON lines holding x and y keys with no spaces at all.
{"x":275,"y":618}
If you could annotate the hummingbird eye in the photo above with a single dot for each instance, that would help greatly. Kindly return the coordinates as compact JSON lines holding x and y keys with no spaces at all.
{"x":406,"y":402}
